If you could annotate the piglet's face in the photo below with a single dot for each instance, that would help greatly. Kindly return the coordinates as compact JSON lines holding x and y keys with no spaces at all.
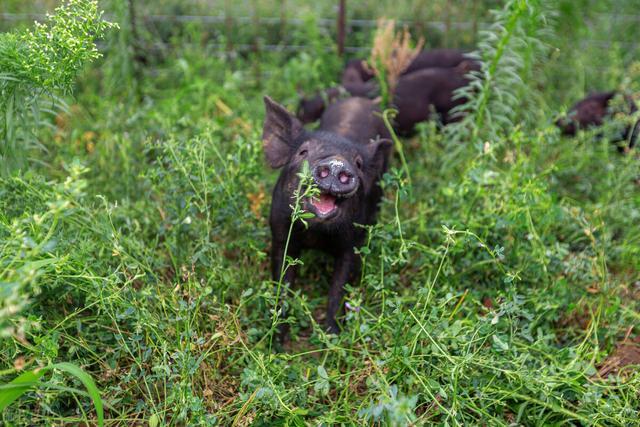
{"x":336,"y":167}
{"x":342,"y":170}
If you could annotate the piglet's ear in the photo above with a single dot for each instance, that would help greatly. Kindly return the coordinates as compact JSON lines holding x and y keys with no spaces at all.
{"x":468,"y":65}
{"x":379,"y":153}
{"x":279,"y":133}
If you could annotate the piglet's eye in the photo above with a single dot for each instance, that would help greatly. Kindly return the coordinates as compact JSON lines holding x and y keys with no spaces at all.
{"x":359,"y":163}
{"x":302,"y":153}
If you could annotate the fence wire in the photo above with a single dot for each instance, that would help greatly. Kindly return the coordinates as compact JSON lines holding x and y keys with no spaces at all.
{"x":250,"y":21}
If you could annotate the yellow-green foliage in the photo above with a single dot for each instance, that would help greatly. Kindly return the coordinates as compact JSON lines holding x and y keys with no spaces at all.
{"x":51,"y":54}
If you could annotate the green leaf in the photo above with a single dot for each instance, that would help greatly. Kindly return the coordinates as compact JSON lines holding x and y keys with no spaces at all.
{"x":322,"y":387}
{"x":28,"y":380}
{"x":154,"y":420}
{"x":322,"y":373}
{"x":19,"y":386}
{"x":88,"y":382}
{"x":305,"y":168}
{"x":501,"y":345}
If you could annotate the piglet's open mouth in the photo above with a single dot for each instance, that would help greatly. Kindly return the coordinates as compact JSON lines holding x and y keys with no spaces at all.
{"x":324,"y":204}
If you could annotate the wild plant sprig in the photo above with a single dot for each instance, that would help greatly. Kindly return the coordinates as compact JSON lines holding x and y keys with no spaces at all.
{"x":387,"y":116}
{"x":306,"y":189}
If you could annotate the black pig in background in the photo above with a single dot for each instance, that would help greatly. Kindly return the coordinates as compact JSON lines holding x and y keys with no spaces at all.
{"x":347,"y":157}
{"x":357,"y":71}
{"x":419,"y":94}
{"x":593,"y":111}
{"x":440,"y":58}
{"x":419,"y":79}
{"x":311,"y":109}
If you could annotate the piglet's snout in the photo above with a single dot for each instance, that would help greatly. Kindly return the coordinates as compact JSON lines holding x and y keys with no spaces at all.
{"x":336,"y":176}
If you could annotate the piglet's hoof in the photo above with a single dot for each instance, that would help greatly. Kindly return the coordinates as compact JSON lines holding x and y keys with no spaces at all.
{"x":333,"y":328}
{"x":283,"y":334}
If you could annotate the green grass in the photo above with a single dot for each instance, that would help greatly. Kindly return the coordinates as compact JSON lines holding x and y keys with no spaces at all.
{"x":493,"y":286}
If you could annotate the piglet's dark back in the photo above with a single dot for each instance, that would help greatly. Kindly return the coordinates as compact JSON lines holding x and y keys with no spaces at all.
{"x":354,"y":118}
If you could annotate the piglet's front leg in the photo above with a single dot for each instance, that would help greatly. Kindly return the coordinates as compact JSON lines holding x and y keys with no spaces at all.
{"x":346,"y":270}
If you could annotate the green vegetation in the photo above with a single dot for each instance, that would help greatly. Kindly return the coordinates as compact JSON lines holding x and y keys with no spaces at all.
{"x":495,"y":287}
{"x":40,"y":62}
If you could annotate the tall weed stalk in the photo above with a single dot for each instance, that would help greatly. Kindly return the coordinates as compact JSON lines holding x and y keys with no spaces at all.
{"x":507,"y":49}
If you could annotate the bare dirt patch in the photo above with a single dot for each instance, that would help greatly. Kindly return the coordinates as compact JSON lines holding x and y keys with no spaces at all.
{"x":624,"y":360}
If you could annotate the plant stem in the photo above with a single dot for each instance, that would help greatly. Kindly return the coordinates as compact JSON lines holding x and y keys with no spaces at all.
{"x":396,"y":142}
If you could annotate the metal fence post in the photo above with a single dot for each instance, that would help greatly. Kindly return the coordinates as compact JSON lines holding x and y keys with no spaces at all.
{"x":418,"y":23}
{"x":447,"y":24}
{"x":138,"y":57}
{"x":341,"y":25}
{"x":476,"y":11}
{"x":283,"y":20}
{"x":228,"y":24}
{"x":255,"y":18}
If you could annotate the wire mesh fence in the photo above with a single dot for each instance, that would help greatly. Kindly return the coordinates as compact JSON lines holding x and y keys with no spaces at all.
{"x":264,"y":32}
{"x":280,"y":26}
